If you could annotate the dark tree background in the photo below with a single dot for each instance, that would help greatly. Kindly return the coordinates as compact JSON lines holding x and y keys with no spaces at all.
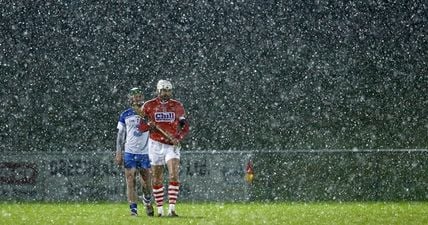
{"x":252,"y":74}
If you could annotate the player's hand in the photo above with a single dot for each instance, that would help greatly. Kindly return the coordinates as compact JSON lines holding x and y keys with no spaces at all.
{"x":151,"y":124}
{"x":118,"y":159}
{"x":176,"y":140}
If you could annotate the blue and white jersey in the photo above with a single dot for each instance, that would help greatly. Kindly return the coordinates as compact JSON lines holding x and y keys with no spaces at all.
{"x":136,"y":142}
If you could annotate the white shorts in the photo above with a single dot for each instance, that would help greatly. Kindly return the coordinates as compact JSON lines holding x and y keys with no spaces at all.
{"x":160,"y":153}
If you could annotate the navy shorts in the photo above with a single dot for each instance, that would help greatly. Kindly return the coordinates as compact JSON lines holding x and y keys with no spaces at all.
{"x":138,"y":161}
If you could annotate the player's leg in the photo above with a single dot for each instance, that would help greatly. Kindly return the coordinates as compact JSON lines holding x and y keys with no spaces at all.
{"x":145,"y":171}
{"x":130,"y":190}
{"x":130,"y":171}
{"x":157,"y":158}
{"x":173,"y":163}
{"x":158,"y":189}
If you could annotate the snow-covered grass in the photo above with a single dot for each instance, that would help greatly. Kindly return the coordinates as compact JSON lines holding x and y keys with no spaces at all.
{"x":220,"y":213}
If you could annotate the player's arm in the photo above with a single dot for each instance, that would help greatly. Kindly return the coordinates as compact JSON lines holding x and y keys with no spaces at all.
{"x":147,"y":119}
{"x":120,"y":145}
{"x":183,"y":127}
{"x":144,"y":125}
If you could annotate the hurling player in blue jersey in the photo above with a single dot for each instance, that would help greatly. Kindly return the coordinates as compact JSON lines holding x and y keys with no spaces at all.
{"x":132,"y":152}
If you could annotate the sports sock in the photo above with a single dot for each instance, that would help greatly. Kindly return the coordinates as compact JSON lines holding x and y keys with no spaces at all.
{"x":173,"y":189}
{"x":133,"y":207}
{"x":147,"y":199}
{"x":158,"y":194}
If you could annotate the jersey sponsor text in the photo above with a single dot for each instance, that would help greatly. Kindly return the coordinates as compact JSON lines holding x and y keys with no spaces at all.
{"x":164,"y":116}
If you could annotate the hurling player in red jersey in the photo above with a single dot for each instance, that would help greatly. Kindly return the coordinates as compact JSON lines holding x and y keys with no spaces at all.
{"x":169,"y":126}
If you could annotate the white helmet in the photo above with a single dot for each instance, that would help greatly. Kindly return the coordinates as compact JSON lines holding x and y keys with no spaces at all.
{"x":163,"y":84}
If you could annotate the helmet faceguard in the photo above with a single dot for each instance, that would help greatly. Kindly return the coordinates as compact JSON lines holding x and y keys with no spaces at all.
{"x":136,"y":97}
{"x":164,"y":90}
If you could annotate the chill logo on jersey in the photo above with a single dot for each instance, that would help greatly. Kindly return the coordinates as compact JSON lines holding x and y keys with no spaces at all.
{"x":164,"y":116}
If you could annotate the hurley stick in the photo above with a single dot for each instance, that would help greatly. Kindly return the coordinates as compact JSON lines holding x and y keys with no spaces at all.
{"x":152,"y":123}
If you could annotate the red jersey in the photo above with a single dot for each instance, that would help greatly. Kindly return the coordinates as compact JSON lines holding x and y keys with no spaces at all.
{"x":167,"y":116}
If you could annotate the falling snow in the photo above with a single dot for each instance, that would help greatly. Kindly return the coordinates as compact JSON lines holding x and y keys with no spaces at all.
{"x":260,"y":76}
{"x":252,"y":74}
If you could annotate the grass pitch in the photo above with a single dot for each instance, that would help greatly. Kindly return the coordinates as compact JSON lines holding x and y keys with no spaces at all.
{"x":219,"y":213}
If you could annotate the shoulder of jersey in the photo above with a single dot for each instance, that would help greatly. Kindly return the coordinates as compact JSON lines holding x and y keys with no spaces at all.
{"x":150,"y":101}
{"x":175,"y":101}
{"x":127,"y":112}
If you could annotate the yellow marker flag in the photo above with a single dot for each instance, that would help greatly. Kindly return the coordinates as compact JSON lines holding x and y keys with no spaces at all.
{"x":249,"y":172}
